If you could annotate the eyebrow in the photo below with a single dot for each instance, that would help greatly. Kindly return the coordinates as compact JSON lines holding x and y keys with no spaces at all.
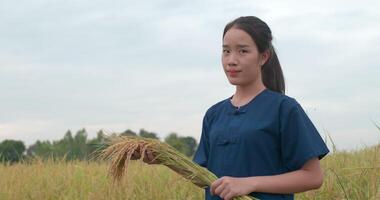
{"x":239,"y":45}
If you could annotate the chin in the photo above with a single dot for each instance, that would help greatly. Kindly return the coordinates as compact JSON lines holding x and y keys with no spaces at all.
{"x":232,"y":82}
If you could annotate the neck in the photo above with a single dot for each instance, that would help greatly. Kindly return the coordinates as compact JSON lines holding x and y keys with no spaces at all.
{"x":244,"y":93}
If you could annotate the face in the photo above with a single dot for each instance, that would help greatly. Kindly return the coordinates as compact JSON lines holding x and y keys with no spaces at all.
{"x":241,"y":59}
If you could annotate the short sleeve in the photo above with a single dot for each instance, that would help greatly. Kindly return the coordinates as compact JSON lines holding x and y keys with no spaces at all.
{"x":201,"y":154}
{"x":300,"y":140}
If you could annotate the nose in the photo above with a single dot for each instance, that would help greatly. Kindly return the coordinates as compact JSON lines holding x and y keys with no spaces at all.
{"x":231,"y":60}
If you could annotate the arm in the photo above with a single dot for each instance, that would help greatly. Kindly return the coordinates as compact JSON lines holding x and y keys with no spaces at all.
{"x":310,"y":176}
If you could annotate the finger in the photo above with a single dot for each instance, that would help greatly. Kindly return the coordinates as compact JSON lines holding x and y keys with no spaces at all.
{"x":224,"y":193}
{"x":145,"y":159}
{"x":136,"y":155}
{"x":219,"y":189}
{"x":230,"y":196}
{"x":149,"y":156}
{"x":215,"y":184}
{"x":153,"y":157}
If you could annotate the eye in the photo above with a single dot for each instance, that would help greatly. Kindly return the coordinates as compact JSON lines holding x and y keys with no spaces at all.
{"x":242,"y":51}
{"x":226,"y":51}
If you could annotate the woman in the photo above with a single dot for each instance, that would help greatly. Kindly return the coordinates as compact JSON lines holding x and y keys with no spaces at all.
{"x":259,"y":141}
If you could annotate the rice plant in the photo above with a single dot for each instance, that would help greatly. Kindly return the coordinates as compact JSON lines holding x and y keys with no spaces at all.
{"x":121,"y":149}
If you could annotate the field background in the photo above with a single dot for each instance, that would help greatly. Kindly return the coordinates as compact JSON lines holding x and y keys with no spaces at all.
{"x":348,"y":175}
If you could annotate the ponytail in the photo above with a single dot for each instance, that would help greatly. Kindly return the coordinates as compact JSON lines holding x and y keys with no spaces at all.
{"x":271,"y":73}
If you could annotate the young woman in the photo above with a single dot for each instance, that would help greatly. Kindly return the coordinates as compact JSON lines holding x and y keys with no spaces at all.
{"x":259,"y":141}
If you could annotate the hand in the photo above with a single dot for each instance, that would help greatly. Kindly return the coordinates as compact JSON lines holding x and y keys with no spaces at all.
{"x":149,"y":156}
{"x":230,"y":187}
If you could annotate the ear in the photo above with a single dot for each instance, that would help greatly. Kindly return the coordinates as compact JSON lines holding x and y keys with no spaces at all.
{"x":264,"y":57}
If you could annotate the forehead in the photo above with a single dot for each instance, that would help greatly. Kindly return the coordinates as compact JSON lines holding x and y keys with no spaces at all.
{"x":234,"y":37}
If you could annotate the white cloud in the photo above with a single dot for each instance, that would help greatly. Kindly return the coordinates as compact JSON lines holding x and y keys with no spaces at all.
{"x":156,"y":65}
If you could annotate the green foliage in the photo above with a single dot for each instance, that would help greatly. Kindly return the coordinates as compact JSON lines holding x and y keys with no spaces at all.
{"x":11,"y":151}
{"x":64,"y":147}
{"x":79,"y":147}
{"x":41,"y":149}
{"x":69,"y":147}
{"x":128,"y":133}
{"x":146,"y":134}
{"x":96,"y":143}
{"x":185,"y":145}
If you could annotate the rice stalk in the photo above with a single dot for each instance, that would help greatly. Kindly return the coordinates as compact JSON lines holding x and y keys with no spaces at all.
{"x":120,"y":149}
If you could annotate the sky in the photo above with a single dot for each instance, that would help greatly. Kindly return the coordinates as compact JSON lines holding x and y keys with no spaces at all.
{"x":117,"y":65}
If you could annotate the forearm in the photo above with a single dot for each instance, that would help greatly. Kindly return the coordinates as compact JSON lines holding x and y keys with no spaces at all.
{"x":291,"y":182}
{"x":309,"y":177}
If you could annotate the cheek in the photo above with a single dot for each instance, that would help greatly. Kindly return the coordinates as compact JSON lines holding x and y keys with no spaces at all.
{"x":224,"y":63}
{"x":223,"y":60}
{"x":252,"y":63}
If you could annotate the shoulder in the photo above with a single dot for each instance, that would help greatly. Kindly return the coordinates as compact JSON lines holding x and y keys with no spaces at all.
{"x":211,"y":111}
{"x":283,"y":102}
{"x":215,"y":110}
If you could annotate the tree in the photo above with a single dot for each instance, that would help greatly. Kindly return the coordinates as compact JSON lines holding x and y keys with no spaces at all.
{"x":80,"y":147}
{"x":64,"y":147}
{"x":146,"y":134}
{"x":41,"y":149}
{"x":128,"y":132}
{"x":173,"y":140}
{"x":71,"y":147}
{"x":96,"y":144}
{"x":185,"y":145}
{"x":190,"y":145}
{"x":11,"y":150}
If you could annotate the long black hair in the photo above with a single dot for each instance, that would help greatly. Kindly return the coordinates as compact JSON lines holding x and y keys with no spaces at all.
{"x":259,"y":31}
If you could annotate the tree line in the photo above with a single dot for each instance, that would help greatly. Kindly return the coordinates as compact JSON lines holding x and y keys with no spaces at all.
{"x":79,"y":147}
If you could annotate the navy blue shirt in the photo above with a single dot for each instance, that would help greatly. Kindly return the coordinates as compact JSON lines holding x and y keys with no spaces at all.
{"x":270,"y":135}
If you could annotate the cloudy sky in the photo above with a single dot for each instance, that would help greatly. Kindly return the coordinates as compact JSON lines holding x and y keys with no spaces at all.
{"x":118,"y":65}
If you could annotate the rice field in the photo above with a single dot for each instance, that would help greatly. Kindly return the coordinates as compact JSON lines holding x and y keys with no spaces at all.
{"x":348,"y":175}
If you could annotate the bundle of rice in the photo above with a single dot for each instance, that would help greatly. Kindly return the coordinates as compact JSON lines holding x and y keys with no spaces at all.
{"x":121,"y":149}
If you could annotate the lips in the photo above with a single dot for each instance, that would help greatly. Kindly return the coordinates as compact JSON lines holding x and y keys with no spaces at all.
{"x":233,"y":72}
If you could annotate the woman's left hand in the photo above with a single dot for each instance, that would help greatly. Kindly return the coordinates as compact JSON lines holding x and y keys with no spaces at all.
{"x":229,"y":187}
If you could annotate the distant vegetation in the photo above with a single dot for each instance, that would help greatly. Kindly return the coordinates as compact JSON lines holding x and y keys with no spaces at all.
{"x":79,"y":147}
{"x":348,"y":175}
